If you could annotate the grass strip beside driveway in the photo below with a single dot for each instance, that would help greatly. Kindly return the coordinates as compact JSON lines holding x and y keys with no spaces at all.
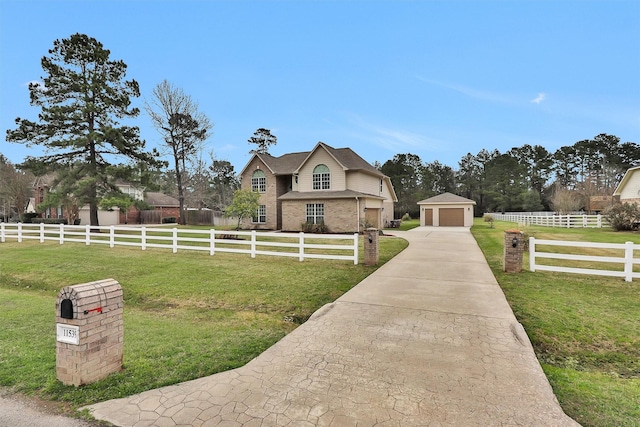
{"x":187,"y":315}
{"x":585,"y":329}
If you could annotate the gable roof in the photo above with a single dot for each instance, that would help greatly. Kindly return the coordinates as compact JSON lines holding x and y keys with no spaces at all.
{"x":345,"y":157}
{"x":625,"y":180}
{"x":291,"y":163}
{"x":446,"y":198}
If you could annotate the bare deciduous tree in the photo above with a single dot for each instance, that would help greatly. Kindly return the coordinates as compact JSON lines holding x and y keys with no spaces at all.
{"x":566,"y":201}
{"x":183,"y":128}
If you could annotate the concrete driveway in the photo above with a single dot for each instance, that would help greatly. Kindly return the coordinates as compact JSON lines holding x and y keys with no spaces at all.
{"x":427,"y":340}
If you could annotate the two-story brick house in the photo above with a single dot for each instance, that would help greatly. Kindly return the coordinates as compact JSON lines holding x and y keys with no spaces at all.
{"x":332,"y":186}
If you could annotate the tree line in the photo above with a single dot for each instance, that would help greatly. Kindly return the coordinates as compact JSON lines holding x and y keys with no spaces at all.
{"x":523,"y":179}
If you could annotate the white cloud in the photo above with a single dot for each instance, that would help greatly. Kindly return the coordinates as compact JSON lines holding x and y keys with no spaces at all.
{"x":541,"y":97}
{"x":468,"y":91}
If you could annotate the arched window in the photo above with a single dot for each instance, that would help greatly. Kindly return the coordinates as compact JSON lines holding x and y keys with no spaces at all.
{"x":259,"y":181}
{"x":321,"y":178}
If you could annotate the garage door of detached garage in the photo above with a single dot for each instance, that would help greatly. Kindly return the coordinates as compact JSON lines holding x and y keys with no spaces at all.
{"x":451,"y":217}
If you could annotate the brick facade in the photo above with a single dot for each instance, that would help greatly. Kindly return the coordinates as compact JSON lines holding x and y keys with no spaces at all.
{"x":340,"y":215}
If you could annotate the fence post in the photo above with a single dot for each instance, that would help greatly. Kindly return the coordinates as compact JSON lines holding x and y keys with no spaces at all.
{"x":112,"y":236}
{"x":599,"y":221}
{"x":253,"y":243}
{"x":628,"y":261}
{"x":42,"y":232}
{"x":355,"y":248}
{"x":175,"y":240}
{"x":19,"y":232}
{"x":532,"y":254}
{"x":88,"y":235}
{"x":584,"y":221}
{"x":301,"y":246}
{"x":212,"y":249}
{"x":61,"y":233}
{"x":143,"y":238}
{"x":2,"y":237}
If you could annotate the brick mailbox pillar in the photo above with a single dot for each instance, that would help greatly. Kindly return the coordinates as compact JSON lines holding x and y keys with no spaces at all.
{"x":89,"y":332}
{"x":371,"y":246}
{"x":513,"y":251}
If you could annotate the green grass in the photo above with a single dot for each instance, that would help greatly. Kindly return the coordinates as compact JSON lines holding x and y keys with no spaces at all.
{"x":187,"y":315}
{"x":406,"y":225}
{"x":585,"y":329}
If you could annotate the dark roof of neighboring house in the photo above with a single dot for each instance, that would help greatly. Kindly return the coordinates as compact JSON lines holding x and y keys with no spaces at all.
{"x":288,"y":164}
{"x":308,"y":195}
{"x":446,"y":198}
{"x":159,"y":199}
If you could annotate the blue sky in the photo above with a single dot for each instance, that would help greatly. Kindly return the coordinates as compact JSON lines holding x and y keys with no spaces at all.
{"x":438,"y":79}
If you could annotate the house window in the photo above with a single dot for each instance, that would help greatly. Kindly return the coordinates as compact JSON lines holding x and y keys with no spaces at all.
{"x":259,"y":181}
{"x":261,"y":215}
{"x":380,"y":186}
{"x":315,"y":213}
{"x":321,"y":178}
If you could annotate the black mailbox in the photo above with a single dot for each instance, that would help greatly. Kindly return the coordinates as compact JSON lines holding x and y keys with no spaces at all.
{"x":66,"y":309}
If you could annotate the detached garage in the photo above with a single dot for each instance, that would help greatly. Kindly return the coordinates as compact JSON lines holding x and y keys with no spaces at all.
{"x":446,"y":210}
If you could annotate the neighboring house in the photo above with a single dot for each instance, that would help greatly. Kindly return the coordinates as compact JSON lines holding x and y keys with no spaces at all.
{"x":628,"y":191}
{"x":330,"y":186}
{"x":598,"y":204}
{"x":163,"y":205}
{"x":41,"y":186}
{"x":446,"y":209}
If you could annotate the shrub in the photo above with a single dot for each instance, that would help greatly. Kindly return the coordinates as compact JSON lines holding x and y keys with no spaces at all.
{"x":488,"y":218}
{"x":169,"y":220}
{"x":308,"y":227}
{"x":49,"y":221}
{"x":406,"y":217}
{"x":28,"y":217}
{"x":623,"y":216}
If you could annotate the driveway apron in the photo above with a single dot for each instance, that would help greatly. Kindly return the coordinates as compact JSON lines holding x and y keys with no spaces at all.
{"x":427,"y":340}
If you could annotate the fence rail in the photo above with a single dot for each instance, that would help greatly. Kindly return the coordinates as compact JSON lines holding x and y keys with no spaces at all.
{"x":300,"y":245}
{"x":627,"y":260}
{"x":559,"y":221}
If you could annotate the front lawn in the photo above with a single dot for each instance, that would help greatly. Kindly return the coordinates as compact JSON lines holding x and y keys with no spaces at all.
{"x":186,"y":315}
{"x":585,"y":329}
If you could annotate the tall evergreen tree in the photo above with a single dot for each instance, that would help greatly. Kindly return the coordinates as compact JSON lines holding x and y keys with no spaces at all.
{"x":263,"y":139}
{"x":82,"y":97}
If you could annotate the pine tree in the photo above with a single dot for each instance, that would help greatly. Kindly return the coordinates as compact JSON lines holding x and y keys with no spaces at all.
{"x":82,"y":99}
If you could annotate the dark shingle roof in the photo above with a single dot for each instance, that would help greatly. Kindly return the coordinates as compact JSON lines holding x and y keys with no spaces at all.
{"x":285,"y":164}
{"x":308,"y":195}
{"x":288,"y":164}
{"x":159,"y":199}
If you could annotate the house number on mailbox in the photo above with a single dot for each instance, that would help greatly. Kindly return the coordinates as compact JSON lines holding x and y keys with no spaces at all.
{"x":67,"y":333}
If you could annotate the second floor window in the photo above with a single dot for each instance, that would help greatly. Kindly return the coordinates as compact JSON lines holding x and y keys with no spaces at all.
{"x":321,"y":178}
{"x":259,"y":181}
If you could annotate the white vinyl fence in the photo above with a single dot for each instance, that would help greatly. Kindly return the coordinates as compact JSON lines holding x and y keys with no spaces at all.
{"x":562,"y":221}
{"x":627,"y":261}
{"x":300,"y":245}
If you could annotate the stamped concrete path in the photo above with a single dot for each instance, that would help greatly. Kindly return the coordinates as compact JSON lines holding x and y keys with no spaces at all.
{"x":427,"y":340}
